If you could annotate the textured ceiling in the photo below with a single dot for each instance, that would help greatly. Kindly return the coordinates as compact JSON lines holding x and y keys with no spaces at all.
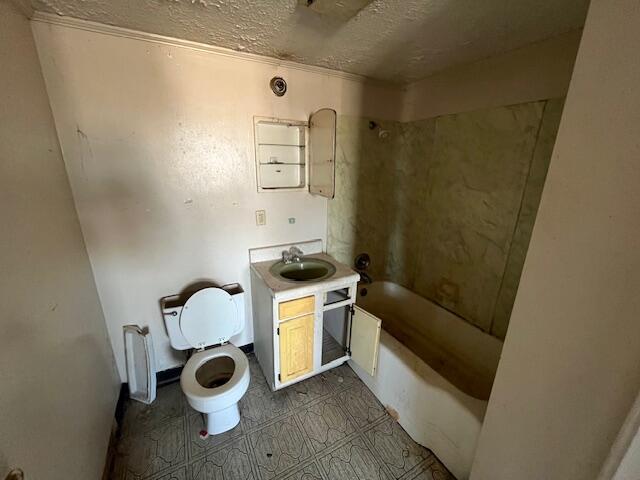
{"x":394,"y":40}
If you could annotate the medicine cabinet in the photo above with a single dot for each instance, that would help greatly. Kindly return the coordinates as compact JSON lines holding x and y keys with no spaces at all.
{"x":296,"y":155}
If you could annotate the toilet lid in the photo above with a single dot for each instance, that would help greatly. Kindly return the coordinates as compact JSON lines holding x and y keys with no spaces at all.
{"x":209,"y":317}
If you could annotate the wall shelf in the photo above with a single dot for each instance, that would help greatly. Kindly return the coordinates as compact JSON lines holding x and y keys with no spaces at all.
{"x":280,"y":154}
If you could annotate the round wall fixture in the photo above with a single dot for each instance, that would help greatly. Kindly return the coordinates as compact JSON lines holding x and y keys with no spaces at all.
{"x":278,"y":85}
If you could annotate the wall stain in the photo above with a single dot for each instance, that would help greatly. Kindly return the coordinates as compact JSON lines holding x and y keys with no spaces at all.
{"x":86,"y":153}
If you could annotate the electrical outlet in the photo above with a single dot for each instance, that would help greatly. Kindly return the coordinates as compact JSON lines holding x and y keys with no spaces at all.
{"x":261,"y":218}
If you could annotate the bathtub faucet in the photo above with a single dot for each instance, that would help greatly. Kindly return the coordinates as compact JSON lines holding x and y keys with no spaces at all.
{"x":294,"y":254}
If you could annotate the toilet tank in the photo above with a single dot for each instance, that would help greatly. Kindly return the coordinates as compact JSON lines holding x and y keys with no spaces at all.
{"x":172,"y":308}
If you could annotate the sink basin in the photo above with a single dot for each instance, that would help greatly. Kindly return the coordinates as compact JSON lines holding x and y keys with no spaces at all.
{"x":306,"y":270}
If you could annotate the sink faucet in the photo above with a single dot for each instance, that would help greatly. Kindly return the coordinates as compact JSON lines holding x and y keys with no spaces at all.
{"x":294,"y":254}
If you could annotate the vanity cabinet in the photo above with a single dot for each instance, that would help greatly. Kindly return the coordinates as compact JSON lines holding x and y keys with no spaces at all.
{"x":300,"y":332}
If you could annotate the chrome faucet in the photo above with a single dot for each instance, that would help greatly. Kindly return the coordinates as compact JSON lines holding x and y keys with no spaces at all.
{"x":294,"y":254}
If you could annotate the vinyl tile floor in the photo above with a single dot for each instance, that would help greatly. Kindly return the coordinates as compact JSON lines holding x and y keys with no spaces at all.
{"x":329,"y":427}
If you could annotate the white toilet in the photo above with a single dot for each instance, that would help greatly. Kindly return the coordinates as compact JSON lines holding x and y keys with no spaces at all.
{"x":217,"y":375}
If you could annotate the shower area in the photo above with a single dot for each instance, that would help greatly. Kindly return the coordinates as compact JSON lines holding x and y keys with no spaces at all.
{"x":445,"y":208}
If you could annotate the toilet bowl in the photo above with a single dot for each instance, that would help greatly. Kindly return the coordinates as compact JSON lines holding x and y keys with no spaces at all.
{"x":214,"y":381}
{"x":216,"y":375}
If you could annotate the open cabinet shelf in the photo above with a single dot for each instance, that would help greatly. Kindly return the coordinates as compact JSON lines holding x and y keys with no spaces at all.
{"x":336,"y":329}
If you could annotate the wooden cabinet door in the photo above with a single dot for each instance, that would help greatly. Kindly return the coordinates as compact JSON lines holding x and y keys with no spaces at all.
{"x":296,"y":347}
{"x":365,"y":340}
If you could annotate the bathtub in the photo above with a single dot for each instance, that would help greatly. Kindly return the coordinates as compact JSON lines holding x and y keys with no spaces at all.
{"x":434,"y":373}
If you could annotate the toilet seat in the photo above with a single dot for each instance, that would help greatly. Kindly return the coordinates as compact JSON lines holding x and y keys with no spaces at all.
{"x":211,"y":399}
{"x":209,"y":317}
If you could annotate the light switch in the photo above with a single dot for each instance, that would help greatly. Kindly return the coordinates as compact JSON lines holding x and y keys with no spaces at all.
{"x":261,"y":217}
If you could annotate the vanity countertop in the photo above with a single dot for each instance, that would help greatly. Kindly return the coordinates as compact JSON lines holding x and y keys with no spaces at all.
{"x":343,"y":275}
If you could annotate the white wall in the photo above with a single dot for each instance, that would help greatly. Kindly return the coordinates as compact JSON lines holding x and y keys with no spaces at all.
{"x":58,"y":383}
{"x":157,"y":140}
{"x":535,"y":72}
{"x":570,"y":366}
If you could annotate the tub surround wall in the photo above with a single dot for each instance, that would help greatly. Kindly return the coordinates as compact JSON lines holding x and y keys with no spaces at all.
{"x":445,"y":206}
{"x":526,"y":217}
{"x":475,"y":177}
{"x":364,"y":174}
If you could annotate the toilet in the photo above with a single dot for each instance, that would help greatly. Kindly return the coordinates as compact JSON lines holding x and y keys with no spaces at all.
{"x":216,"y":376}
